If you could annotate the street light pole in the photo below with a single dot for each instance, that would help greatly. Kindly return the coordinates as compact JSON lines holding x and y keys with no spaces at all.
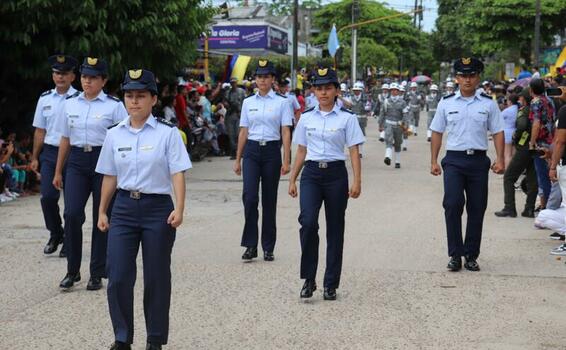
{"x":295,"y":60}
{"x":537,"y":32}
{"x":355,"y":12}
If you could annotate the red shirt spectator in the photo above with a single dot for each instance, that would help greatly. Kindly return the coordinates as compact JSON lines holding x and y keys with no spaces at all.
{"x":181,"y":107}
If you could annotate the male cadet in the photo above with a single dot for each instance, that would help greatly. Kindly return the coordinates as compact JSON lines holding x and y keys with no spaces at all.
{"x":235,"y":97}
{"x":46,"y":144}
{"x":359,"y":105}
{"x":415,"y":100}
{"x":449,"y":88}
{"x":432,"y":101}
{"x":466,"y":116}
{"x":377,"y":109}
{"x":392,"y":119}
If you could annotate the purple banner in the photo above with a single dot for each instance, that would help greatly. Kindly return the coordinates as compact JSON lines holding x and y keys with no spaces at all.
{"x":278,"y":41}
{"x":238,"y":37}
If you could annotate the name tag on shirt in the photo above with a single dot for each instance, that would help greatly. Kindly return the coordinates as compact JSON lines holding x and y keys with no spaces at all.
{"x":453,"y":112}
{"x":253,"y":110}
{"x":46,"y":108}
{"x":124,"y":149}
{"x":73,"y":116}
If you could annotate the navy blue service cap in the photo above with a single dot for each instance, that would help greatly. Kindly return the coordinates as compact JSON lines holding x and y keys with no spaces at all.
{"x":468,"y":65}
{"x":265,"y":67}
{"x":139,"y":79}
{"x":325,"y":75}
{"x":62,"y":63}
{"x":94,"y":66}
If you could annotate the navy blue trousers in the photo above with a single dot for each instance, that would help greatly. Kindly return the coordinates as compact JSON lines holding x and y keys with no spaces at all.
{"x":133,"y":222}
{"x":465,"y":184}
{"x":330,"y":186}
{"x":49,"y":194}
{"x":82,"y":180}
{"x":261,"y":164}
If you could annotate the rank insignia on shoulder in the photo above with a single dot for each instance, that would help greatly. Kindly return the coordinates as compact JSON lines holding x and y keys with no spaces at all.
{"x":114,"y":98}
{"x":113,"y":125}
{"x":308,"y":110}
{"x":483,"y":94}
{"x":166,"y":122}
{"x":448,"y":96}
{"x":281,"y":95}
{"x":73,"y":95}
{"x":346,"y":110}
{"x":46,"y":93}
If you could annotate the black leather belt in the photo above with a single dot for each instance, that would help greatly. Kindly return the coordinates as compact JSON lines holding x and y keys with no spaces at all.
{"x":324,"y":165}
{"x":86,"y":148}
{"x":469,"y":152}
{"x":138,"y":195}
{"x":263,"y":142}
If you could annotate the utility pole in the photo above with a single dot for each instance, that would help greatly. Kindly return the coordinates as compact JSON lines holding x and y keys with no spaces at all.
{"x":355,"y":15}
{"x":416,"y":14}
{"x":295,"y":60}
{"x":537,"y":32}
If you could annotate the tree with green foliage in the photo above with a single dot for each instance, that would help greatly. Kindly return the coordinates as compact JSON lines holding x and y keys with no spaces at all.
{"x":285,"y":7}
{"x":157,"y":35}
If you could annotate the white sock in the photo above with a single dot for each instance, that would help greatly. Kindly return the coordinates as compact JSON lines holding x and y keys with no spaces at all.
{"x":388,"y":152}
{"x":398,"y":157}
{"x":405,"y":143}
{"x":429,"y":133}
{"x":382,"y":134}
{"x":361,"y":148}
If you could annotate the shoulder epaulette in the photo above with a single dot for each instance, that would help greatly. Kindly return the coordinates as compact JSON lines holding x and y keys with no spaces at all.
{"x":448,"y":96}
{"x":346,"y":110}
{"x":483,"y":94}
{"x":249,"y":96}
{"x":73,"y":95}
{"x":166,"y":122}
{"x":308,"y":110}
{"x":278,"y":94}
{"x":113,"y":125}
{"x":46,"y":93}
{"x":113,"y":98}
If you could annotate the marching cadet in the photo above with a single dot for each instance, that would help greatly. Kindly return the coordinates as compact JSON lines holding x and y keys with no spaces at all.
{"x":432,"y":101}
{"x":321,"y":135}
{"x":83,"y":122}
{"x":449,"y":88}
{"x":414,"y":99}
{"x":393,"y":119}
{"x":46,"y":145}
{"x":381,"y":100}
{"x":360,"y":106}
{"x":408,"y":122}
{"x":466,"y":117}
{"x":265,"y":124}
{"x":143,"y":158}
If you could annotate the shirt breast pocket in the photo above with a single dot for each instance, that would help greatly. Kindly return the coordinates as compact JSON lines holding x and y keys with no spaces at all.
{"x":480,"y":118}
{"x":336,"y":134}
{"x":123,"y":156}
{"x":47,"y":112}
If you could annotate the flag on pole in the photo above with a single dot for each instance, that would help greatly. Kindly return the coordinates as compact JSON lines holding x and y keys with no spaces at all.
{"x":333,"y":44}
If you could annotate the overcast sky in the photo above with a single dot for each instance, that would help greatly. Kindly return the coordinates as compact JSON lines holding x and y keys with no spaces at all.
{"x":429,"y":15}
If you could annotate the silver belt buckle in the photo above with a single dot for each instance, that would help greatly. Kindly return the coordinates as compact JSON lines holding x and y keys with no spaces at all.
{"x":470,"y":152}
{"x":322,"y":165}
{"x":262,"y":143}
{"x":135,"y":194}
{"x":87,"y":148}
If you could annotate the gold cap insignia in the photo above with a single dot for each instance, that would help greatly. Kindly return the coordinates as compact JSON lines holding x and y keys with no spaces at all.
{"x":135,"y":73}
{"x":262,"y":63}
{"x":61,"y":59}
{"x":322,"y":72}
{"x":466,"y":60}
{"x":92,"y":61}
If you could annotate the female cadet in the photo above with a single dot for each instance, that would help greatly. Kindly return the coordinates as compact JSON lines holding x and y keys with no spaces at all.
{"x":82,"y":123}
{"x":321,"y":134}
{"x":265,"y":122}
{"x":142,"y":157}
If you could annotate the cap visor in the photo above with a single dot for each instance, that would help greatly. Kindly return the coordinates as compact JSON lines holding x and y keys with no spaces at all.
{"x":263,"y":71}
{"x":324,"y":82}
{"x":91,"y":72}
{"x":135,"y":85}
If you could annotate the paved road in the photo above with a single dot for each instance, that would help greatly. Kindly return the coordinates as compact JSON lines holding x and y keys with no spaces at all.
{"x":395,"y":292}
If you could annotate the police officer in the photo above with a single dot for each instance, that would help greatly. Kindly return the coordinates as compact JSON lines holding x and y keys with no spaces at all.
{"x":83,"y":122}
{"x":235,"y":98}
{"x":432,"y":101}
{"x":466,"y":117}
{"x":265,"y":123}
{"x":381,"y":100}
{"x":46,"y":144}
{"x":360,"y":106}
{"x":393,"y":119}
{"x":142,"y":158}
{"x":321,"y":135}
{"x":414,"y":99}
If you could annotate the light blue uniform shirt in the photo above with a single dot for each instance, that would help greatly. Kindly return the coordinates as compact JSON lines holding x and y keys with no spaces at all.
{"x":143,"y":160}
{"x":85,"y":122}
{"x":466,"y":121}
{"x":325,"y":134}
{"x":47,"y":111}
{"x":311,"y":101}
{"x":265,"y":115}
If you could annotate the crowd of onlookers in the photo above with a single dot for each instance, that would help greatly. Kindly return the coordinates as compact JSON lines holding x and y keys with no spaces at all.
{"x":16,"y":175}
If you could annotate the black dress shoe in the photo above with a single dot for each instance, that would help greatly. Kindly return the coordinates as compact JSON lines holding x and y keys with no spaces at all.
{"x":308,"y":288}
{"x":70,"y":280}
{"x":381,"y":139}
{"x":94,"y":283}
{"x":118,"y":345}
{"x":63,"y":252}
{"x":387,"y":161}
{"x":471,"y":265}
{"x":455,"y":263}
{"x":428,"y":139}
{"x":51,"y":246}
{"x":152,"y":346}
{"x":528,"y":213}
{"x":506,"y":213}
{"x":397,"y":166}
{"x":268,"y":256}
{"x":404,"y":148}
{"x":250,"y":253}
{"x":329,"y":293}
